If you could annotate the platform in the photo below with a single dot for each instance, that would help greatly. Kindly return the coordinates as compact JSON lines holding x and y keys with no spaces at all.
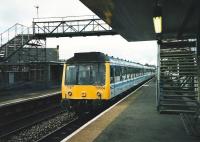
{"x":135,"y":120}
{"x":13,"y":97}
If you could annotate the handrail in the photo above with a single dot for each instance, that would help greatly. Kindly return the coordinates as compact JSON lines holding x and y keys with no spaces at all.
{"x":66,"y":18}
{"x":13,"y":26}
{"x":13,"y":31}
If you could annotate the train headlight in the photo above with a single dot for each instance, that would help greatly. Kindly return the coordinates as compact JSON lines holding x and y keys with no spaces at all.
{"x":83,"y":94}
{"x":69,"y":93}
{"x":99,"y":94}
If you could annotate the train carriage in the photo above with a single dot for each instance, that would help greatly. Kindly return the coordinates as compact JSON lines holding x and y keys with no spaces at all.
{"x":92,"y":76}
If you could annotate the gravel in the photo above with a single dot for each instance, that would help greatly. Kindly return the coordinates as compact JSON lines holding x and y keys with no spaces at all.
{"x":41,"y":129}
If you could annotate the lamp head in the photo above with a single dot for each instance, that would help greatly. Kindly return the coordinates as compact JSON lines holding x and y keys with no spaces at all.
{"x":157,"y":19}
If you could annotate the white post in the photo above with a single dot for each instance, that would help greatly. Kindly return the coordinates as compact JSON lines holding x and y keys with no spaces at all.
{"x":158,"y":77}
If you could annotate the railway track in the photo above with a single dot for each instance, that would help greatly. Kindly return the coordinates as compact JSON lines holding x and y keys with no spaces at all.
{"x":17,"y":116}
{"x":36,"y":127}
{"x":30,"y":120}
{"x":67,"y":129}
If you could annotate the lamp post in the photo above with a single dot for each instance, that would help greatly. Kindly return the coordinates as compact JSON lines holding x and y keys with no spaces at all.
{"x":37,"y":10}
{"x":157,"y":21}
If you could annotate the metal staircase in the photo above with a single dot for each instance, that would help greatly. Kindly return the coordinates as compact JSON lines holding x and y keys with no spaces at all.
{"x":178,"y":78}
{"x":13,"y":39}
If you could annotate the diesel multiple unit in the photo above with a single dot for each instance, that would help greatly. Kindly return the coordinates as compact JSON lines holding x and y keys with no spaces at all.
{"x":92,"y":76}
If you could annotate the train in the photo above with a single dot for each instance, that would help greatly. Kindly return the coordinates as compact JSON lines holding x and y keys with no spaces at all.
{"x":90,"y":78}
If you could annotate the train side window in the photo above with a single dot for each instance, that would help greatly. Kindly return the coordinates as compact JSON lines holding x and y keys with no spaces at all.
{"x":128,"y":73}
{"x":133,"y":72}
{"x":126,"y":70}
{"x":142,"y":71}
{"x":120,"y":73}
{"x":117,"y":73}
{"x":138,"y":72}
{"x":124,"y":73}
{"x":101,"y":74}
{"x":94,"y":74}
{"x":112,"y":74}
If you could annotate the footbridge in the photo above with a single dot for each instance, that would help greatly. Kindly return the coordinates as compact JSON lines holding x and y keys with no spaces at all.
{"x":19,"y":36}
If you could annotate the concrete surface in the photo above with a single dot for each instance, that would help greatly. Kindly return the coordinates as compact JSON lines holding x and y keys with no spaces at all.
{"x":136,"y":120}
{"x":16,"y":97}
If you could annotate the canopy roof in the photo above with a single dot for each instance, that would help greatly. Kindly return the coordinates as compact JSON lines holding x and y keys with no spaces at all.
{"x":133,"y":19}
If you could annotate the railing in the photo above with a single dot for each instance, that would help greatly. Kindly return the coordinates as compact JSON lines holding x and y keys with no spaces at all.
{"x":66,"y":25}
{"x":14,"y":31}
{"x":67,"y":18}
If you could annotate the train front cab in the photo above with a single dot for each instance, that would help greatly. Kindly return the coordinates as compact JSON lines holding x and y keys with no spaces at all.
{"x":86,"y":82}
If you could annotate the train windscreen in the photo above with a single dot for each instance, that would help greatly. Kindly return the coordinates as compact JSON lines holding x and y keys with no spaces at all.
{"x":85,"y":74}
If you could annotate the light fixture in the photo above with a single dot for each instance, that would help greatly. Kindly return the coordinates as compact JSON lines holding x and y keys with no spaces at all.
{"x":70,"y":93}
{"x":157,"y":19}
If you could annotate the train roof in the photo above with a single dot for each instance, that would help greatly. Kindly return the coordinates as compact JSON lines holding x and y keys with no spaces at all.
{"x":84,"y":57}
{"x":88,"y":57}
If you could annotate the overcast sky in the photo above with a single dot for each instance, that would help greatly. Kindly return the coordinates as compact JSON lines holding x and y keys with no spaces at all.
{"x":23,"y":11}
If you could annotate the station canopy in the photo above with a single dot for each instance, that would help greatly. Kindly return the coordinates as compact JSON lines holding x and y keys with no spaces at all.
{"x":133,"y":19}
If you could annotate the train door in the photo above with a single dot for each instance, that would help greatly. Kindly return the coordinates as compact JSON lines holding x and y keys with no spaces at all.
{"x":112,"y":81}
